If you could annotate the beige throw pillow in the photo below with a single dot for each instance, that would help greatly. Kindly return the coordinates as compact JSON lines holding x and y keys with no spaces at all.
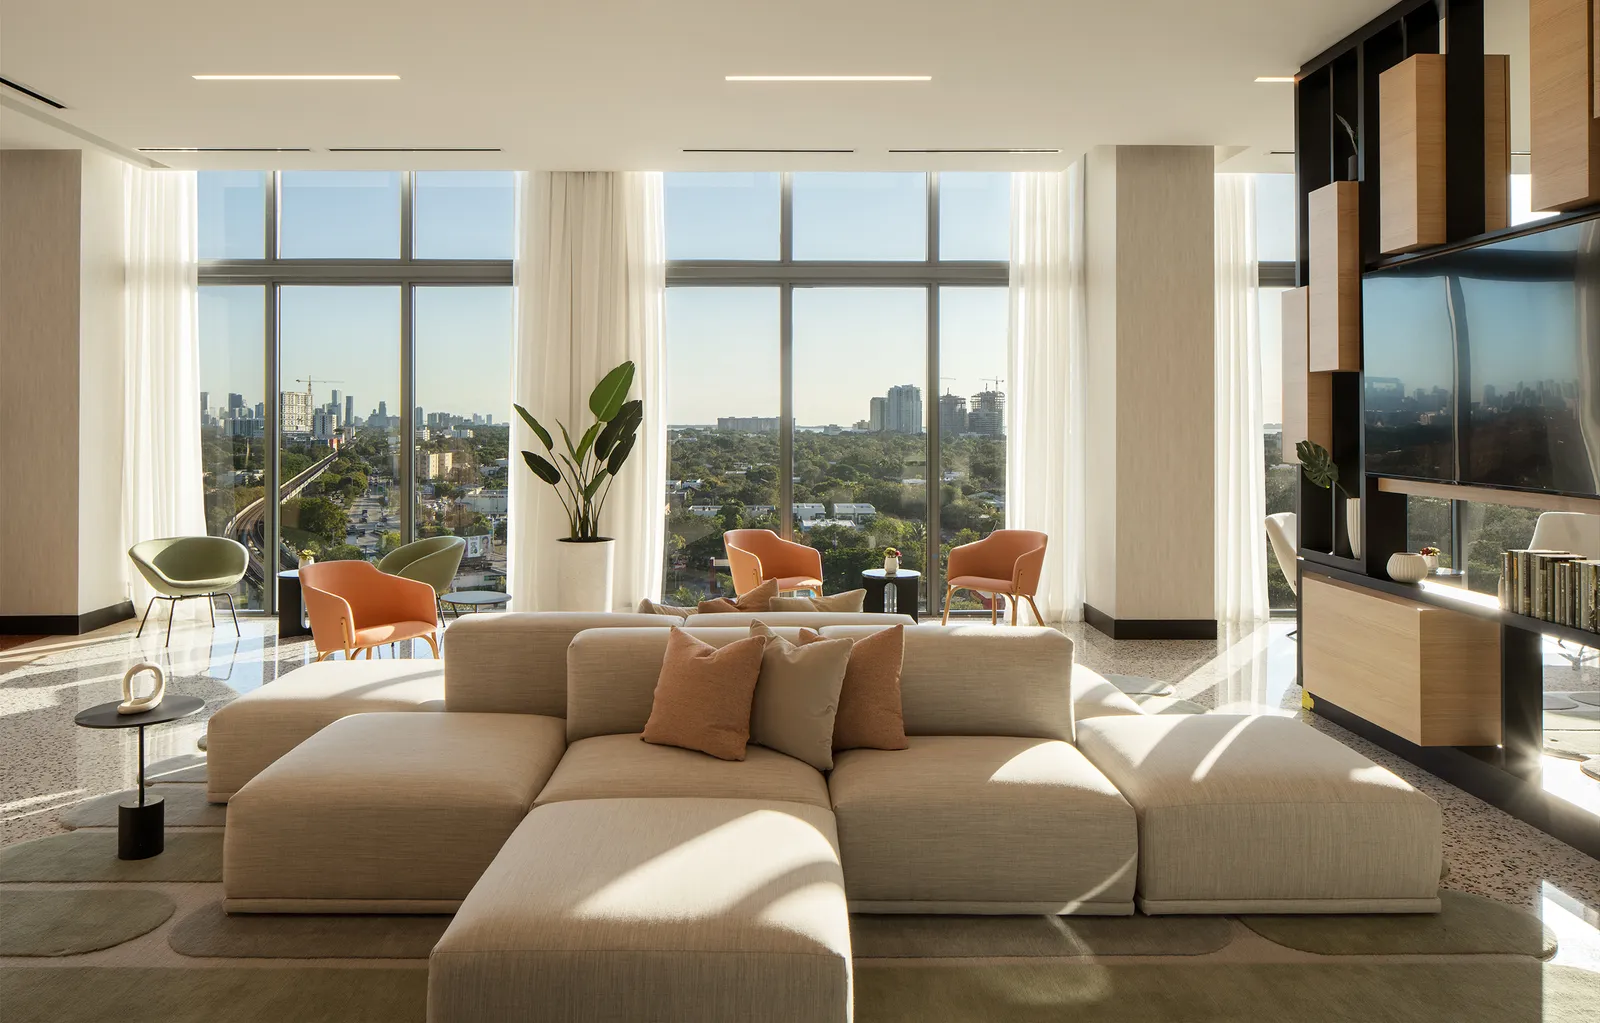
{"x":870,"y":715}
{"x":849,"y":600}
{"x":798,"y":695}
{"x":752,"y":600}
{"x":650,"y":607}
{"x":702,"y":699}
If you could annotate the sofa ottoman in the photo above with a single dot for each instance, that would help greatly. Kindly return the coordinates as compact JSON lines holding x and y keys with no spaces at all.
{"x":1254,"y":814}
{"x":245,"y":736}
{"x":691,"y":910}
{"x":385,"y":813}
{"x":982,"y":824}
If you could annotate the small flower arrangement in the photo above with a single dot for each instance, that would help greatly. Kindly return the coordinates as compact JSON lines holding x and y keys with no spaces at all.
{"x":1431,"y":556}
{"x":891,"y":552}
{"x":308,"y":557}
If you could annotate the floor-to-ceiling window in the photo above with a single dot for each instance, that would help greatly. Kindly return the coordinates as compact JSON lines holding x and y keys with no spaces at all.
{"x":836,"y":362}
{"x":356,"y":325}
{"x":1275,"y":251}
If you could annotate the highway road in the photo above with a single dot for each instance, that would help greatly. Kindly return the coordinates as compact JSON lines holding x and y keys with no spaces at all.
{"x":249,"y":525}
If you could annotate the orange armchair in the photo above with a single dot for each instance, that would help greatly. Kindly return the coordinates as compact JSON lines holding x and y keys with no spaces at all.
{"x":1006,"y":561}
{"x":756,"y":555}
{"x":354,"y":607}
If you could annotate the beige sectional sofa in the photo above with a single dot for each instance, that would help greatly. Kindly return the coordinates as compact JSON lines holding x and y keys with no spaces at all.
{"x":595,"y":876}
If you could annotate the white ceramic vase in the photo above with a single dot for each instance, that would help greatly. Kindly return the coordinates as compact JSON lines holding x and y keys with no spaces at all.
{"x":1407,"y":568}
{"x":891,"y":566}
{"x":304,"y":561}
{"x":583,"y":574}
{"x":1352,"y":524}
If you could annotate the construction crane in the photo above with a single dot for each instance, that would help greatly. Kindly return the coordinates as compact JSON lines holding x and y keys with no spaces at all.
{"x":308,"y":382}
{"x":993,"y":382}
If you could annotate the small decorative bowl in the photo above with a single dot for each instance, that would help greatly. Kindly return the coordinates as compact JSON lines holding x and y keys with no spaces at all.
{"x":1407,"y":568}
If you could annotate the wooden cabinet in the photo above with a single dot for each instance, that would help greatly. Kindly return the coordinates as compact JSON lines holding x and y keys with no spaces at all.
{"x":1335,"y":301}
{"x":1425,"y":673}
{"x":1411,"y":135}
{"x":1565,"y":151}
{"x":1307,"y":396}
{"x":1497,"y":141}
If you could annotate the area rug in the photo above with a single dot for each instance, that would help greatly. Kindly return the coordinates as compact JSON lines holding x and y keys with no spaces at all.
{"x":302,"y":994}
{"x":1572,"y":745}
{"x":186,"y":807}
{"x":1132,"y":684}
{"x":965,"y":937}
{"x":91,"y":855}
{"x":189,"y":767}
{"x":1479,"y":991}
{"x":1165,"y":704}
{"x":1466,"y":924}
{"x":208,"y":931}
{"x":51,"y":923}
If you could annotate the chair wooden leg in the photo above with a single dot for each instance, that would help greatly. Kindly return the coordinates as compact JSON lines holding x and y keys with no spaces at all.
{"x":1037,"y":617}
{"x":1011,"y":599}
{"x":949,"y":591}
{"x":994,"y":609}
{"x":323,"y":655}
{"x":434,"y":643}
{"x":369,"y":653}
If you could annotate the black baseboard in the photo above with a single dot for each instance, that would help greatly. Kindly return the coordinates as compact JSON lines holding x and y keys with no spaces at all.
{"x":1150,"y":628}
{"x":65,"y":625}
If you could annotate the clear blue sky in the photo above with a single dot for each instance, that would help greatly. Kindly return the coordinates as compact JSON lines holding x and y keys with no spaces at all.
{"x":850,"y":344}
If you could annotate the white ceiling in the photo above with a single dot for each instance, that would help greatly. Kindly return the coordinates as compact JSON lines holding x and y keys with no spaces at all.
{"x":606,"y":84}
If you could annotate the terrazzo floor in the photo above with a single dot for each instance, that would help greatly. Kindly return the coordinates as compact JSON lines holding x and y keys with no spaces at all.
{"x":48,"y":764}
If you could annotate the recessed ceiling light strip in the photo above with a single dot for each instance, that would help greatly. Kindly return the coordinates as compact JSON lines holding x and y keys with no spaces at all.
{"x":1276,"y":79}
{"x":41,"y":97}
{"x":224,"y":149}
{"x":413,"y":149}
{"x":768,"y":150}
{"x":994,"y":150}
{"x":296,"y":78}
{"x":827,"y":78}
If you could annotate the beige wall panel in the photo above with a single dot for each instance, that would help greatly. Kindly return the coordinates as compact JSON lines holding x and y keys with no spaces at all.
{"x":1100,"y":406}
{"x":102,"y":555}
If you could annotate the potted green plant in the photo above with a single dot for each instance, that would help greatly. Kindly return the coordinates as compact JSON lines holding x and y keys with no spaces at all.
{"x":1320,"y":471}
{"x":582,"y":475}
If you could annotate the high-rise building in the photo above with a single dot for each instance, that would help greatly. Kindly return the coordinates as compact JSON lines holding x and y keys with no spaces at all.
{"x":748,"y":424}
{"x":294,"y":411}
{"x":383,"y":412}
{"x":987,"y":417}
{"x":903,"y":409}
{"x":416,"y":417}
{"x":205,"y":402}
{"x":337,"y":404}
{"x":349,"y":410}
{"x":952,"y":414}
{"x":235,"y":401}
{"x":876,"y":414}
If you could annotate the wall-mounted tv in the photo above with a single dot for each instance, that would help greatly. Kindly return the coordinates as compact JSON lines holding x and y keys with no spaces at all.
{"x":1482,"y":366}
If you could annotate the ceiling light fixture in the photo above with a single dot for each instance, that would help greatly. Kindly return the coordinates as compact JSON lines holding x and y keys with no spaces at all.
{"x":768,"y":150}
{"x":224,"y":149}
{"x":827,"y":78}
{"x":1002,"y":150}
{"x":296,"y":78}
{"x":1277,"y":79}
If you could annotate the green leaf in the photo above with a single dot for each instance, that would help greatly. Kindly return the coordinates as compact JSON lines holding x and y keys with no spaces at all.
{"x":1318,"y":464}
{"x":620,"y":455}
{"x":542,"y":468}
{"x":567,"y":438}
{"x":588,"y":441}
{"x":533,"y":424}
{"x":606,"y":401}
{"x":594,"y":485}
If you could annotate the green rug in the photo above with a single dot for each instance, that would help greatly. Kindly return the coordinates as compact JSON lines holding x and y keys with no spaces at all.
{"x":1465,"y":925}
{"x":53,"y":923}
{"x":1165,"y":704}
{"x":186,"y":807}
{"x":187,"y":767}
{"x":1572,"y":745}
{"x":91,"y":855}
{"x":966,"y":937}
{"x":1479,"y":991}
{"x":297,"y":994}
{"x":209,"y":931}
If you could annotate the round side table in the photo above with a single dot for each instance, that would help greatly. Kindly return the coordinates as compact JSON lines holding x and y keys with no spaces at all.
{"x":907,"y":585}
{"x":140,"y":826}
{"x":475,"y":599}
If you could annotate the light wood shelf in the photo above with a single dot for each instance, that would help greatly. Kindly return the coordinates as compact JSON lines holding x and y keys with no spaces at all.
{"x":1411,"y":130}
{"x":1335,"y":300}
{"x":1565,"y":150}
{"x":1490,"y":495}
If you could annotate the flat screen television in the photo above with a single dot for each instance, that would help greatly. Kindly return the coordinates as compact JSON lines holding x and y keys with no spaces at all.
{"x":1482,"y":366}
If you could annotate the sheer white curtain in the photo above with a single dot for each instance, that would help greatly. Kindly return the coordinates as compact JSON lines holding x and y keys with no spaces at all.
{"x":591,"y":293}
{"x":1045,"y":409}
{"x":1241,"y":481}
{"x":162,"y":487}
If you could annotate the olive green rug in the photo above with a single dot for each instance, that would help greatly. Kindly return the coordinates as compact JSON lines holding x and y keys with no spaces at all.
{"x":187,"y":767}
{"x":186,"y":807}
{"x":208,"y":931}
{"x":1165,"y":704}
{"x":1572,"y":745}
{"x":965,"y":937}
{"x":48,"y":923}
{"x":91,"y":855}
{"x":1478,"y":991}
{"x":1465,"y":925}
{"x":296,"y":994}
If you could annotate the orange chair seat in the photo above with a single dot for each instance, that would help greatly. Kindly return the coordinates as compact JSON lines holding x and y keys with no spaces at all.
{"x":799,"y":582}
{"x":982,"y":584}
{"x":393,"y":632}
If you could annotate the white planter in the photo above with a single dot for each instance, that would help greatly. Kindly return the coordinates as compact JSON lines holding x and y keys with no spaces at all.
{"x":583,"y":574}
{"x":891,"y":566}
{"x":1352,"y":524}
{"x":1407,"y":568}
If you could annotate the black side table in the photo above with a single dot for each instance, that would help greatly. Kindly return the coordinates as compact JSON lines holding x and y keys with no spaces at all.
{"x":140,"y":826}
{"x":291,"y":606}
{"x":907,"y":586}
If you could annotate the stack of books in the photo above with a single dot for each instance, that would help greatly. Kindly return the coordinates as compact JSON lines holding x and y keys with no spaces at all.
{"x":1553,"y":586}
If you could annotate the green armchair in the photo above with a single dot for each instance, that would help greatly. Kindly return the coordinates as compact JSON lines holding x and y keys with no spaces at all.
{"x":184,"y":567}
{"x":433,"y":560}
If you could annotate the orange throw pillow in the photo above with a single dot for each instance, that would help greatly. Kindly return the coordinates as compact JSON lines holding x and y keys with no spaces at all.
{"x":870,"y":716}
{"x":702,"y":700}
{"x":752,"y":600}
